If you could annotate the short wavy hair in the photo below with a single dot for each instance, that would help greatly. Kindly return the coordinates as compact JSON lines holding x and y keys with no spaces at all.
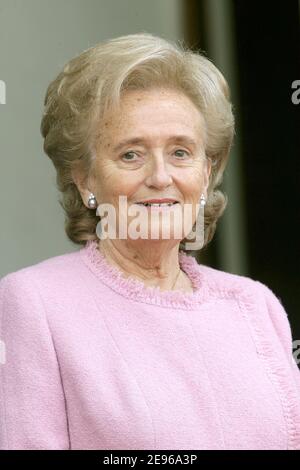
{"x":92,"y":83}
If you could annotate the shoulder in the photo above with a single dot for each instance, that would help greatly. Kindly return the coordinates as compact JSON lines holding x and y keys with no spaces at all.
{"x":240,"y":287}
{"x":235,"y":284}
{"x":259,"y":302}
{"x":55,"y":265}
{"x":52,"y":274}
{"x":229,"y":285}
{"x":44,"y":294}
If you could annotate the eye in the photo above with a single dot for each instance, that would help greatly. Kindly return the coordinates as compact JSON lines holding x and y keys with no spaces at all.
{"x":181,"y":150}
{"x":128,"y":159}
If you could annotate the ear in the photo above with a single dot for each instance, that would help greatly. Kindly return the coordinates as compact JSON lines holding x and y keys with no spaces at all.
{"x":79,"y":180}
{"x":206,"y":172}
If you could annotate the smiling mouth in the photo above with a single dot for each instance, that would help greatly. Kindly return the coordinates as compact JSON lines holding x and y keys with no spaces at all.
{"x":157,"y":204}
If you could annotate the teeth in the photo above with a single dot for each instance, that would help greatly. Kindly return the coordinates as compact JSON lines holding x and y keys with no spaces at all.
{"x":155,"y":204}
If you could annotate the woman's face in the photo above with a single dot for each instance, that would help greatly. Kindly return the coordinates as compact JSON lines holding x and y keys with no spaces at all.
{"x":152,"y":148}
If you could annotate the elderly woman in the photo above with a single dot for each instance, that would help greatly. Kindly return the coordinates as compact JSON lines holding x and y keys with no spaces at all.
{"x":128,"y":342}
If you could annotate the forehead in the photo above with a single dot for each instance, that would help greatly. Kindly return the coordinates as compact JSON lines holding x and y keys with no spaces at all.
{"x":157,"y":110}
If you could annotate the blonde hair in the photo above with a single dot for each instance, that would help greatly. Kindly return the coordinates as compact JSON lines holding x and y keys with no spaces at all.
{"x":92,"y":83}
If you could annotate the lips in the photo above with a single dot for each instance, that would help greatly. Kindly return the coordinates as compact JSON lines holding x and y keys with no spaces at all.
{"x":158,"y":201}
{"x":155,"y":204}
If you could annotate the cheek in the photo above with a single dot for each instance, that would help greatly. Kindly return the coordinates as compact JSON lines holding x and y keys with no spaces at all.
{"x":189,"y":181}
{"x":114,"y":182}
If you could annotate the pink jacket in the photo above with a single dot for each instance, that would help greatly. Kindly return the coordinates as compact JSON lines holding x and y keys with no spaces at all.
{"x":94,"y":360}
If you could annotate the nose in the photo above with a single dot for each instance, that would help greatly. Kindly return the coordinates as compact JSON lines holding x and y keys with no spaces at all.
{"x":159,"y":176}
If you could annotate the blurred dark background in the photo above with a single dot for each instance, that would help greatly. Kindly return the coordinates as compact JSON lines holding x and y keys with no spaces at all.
{"x":261,"y":41}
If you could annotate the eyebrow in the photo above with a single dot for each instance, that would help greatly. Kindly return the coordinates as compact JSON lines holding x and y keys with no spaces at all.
{"x":183,"y":139}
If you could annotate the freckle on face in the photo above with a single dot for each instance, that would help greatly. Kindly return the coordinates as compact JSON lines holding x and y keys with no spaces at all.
{"x":149,"y":107}
{"x":154,"y":115}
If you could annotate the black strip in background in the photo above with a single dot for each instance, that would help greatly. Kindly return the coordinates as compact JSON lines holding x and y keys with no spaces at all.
{"x":159,"y":458}
{"x":268,"y":61}
{"x":268,"y":50}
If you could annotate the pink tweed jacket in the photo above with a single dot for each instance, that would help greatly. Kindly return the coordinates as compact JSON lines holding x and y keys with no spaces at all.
{"x":94,"y":360}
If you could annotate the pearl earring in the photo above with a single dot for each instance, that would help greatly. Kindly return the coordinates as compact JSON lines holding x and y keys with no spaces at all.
{"x":92,"y":203}
{"x":202,"y":200}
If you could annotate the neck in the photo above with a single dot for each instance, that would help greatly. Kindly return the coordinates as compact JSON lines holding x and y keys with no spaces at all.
{"x":155,"y":263}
